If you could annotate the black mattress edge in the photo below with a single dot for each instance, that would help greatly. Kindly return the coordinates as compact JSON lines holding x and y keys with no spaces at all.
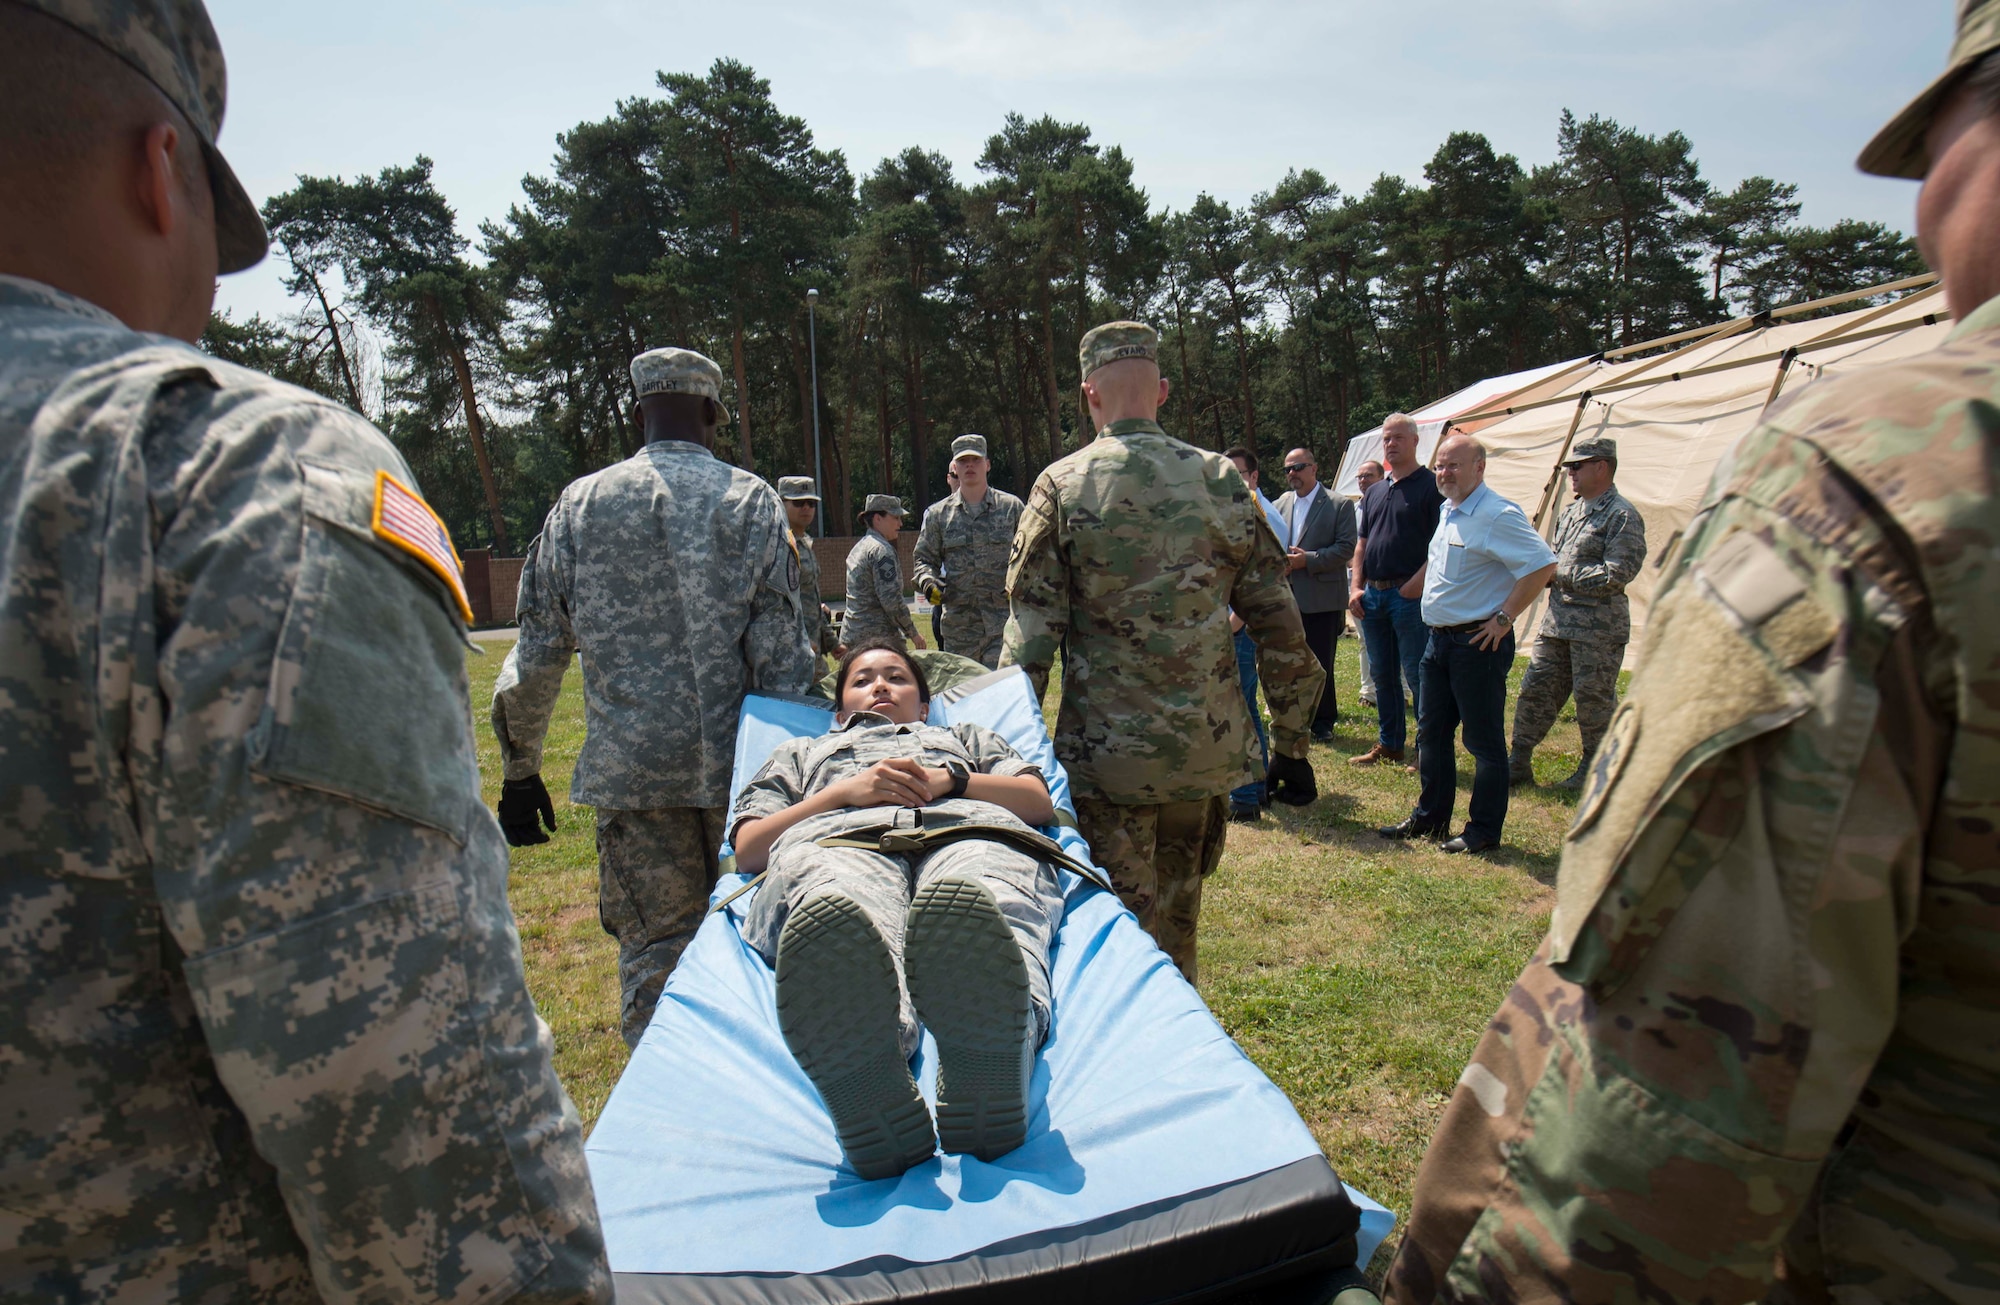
{"x":1221,"y":1243}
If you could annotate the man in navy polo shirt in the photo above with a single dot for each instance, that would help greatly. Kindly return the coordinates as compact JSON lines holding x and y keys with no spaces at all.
{"x":1484,"y":567}
{"x":1399,"y":516}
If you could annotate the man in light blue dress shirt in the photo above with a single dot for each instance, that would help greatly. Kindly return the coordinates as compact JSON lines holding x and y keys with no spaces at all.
{"x":1486,"y":565}
{"x":1248,"y":802}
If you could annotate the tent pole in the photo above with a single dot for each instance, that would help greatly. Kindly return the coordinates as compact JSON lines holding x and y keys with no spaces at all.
{"x":1875,"y":314}
{"x":1778,"y":382}
{"x":1846,"y":336}
{"x":1555,"y":476}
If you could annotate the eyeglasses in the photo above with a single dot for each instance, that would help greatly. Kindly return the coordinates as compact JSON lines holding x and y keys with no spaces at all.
{"x":1294,"y":467}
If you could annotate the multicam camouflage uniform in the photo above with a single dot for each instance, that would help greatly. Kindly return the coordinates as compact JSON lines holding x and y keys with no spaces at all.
{"x":1026,"y":888}
{"x":962,"y":549}
{"x":1763,"y":1017}
{"x":1600,"y":546}
{"x":875,"y":604}
{"x":267,"y":1033}
{"x":1130,"y":555}
{"x":674,"y":575}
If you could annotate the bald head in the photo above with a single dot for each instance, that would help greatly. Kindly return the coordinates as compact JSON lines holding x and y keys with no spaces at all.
{"x":103,"y":189}
{"x":1301,"y":471}
{"x":1461,"y":467}
{"x":1127,"y":390}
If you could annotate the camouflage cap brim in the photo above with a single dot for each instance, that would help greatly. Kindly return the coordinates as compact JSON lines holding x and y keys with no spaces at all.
{"x":1902,"y":147}
{"x":240,"y":238}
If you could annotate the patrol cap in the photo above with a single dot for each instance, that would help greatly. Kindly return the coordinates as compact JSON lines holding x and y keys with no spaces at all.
{"x":797,"y":489}
{"x":1115,"y":342}
{"x":172,"y":44}
{"x":678,"y":371}
{"x":968,"y":446}
{"x":883,"y":503}
{"x":1899,"y":149}
{"x":1589,"y":450}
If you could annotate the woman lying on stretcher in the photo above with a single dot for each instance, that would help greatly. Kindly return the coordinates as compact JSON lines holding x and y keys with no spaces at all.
{"x":902,"y":872}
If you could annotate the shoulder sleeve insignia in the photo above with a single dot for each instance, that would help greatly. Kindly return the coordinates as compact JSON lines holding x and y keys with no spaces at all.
{"x":404,"y":521}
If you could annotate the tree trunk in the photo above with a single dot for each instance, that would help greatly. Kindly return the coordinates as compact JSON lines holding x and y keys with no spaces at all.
{"x":802,"y":371}
{"x":1049,"y":374}
{"x":339,"y":349}
{"x":475,"y":431}
{"x":1243,"y":368}
{"x":913,"y":398}
{"x":743,"y":444}
{"x":886,"y":484}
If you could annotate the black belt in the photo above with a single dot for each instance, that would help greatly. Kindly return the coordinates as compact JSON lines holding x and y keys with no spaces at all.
{"x":1388,"y":584}
{"x":1470,"y":627}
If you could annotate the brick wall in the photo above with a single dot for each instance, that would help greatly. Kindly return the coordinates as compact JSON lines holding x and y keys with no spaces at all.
{"x":491,"y":586}
{"x":832,"y":551}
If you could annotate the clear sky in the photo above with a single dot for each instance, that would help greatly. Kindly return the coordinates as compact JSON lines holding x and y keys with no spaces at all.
{"x":1210,"y":97}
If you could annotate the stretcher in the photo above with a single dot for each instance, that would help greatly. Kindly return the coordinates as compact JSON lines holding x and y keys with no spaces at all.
{"x":1160,"y":1164}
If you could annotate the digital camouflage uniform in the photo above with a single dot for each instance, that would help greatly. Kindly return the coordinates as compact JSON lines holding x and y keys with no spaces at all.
{"x":875,"y":604}
{"x":1026,"y":888}
{"x":673,"y":574}
{"x":266,"y":1028}
{"x":1764,"y":1018}
{"x":812,"y":612}
{"x":1131,"y":553}
{"x":1599,"y":548}
{"x":962,"y":549}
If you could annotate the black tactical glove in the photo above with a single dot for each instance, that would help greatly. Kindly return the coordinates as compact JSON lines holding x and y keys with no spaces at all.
{"x":521,"y":802}
{"x":1291,"y":780}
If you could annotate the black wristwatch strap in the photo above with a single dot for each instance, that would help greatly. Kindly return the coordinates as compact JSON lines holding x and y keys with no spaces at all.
{"x":960,"y":776}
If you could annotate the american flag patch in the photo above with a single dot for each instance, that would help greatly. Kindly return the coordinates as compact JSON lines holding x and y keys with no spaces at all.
{"x":405,"y":521}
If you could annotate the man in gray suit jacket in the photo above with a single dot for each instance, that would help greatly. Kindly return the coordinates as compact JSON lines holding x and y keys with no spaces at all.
{"x":1319,"y":540}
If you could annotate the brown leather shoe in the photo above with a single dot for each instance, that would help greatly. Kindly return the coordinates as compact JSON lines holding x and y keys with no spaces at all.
{"x":1375,"y":754}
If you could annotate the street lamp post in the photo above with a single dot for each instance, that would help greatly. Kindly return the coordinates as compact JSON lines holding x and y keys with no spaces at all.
{"x":812,"y":349}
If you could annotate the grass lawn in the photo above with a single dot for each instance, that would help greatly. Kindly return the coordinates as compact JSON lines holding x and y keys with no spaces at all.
{"x":1357,"y":972}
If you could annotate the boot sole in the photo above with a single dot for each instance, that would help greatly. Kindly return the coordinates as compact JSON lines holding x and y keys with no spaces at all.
{"x":837,"y":1000}
{"x":969,"y":983}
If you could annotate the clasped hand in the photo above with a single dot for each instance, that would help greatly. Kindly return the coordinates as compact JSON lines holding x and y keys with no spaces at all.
{"x":897,"y":782}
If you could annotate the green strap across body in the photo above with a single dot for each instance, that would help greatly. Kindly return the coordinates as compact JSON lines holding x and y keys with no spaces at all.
{"x":913,"y":832}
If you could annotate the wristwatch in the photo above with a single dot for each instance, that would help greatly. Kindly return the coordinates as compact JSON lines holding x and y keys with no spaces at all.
{"x":1504,"y":619}
{"x":960,"y":776}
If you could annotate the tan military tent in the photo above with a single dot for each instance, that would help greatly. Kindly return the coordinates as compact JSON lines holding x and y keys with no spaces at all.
{"x":1681,"y":403}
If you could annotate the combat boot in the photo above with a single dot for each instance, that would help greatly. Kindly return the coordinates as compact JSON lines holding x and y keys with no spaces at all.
{"x":837,"y":1010}
{"x":1520,"y":769}
{"x":969,"y":984}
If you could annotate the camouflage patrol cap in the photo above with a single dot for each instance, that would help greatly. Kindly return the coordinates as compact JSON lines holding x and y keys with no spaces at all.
{"x":797,"y":489}
{"x":1899,"y":149}
{"x":1590,"y":450}
{"x":172,"y":44}
{"x":678,"y":371}
{"x":883,"y":503}
{"x":1115,"y":342}
{"x":968,"y":446}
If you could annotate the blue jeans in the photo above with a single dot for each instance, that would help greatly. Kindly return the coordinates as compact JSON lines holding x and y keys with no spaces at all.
{"x":1393,"y":628}
{"x":1463,"y":685}
{"x":1251,"y":794}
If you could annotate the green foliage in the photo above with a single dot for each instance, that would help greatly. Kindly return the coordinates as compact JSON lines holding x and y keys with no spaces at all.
{"x":703,"y":215}
{"x":302,"y":353}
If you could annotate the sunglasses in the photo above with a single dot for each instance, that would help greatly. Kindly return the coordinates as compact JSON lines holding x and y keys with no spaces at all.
{"x":1295,"y":467}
